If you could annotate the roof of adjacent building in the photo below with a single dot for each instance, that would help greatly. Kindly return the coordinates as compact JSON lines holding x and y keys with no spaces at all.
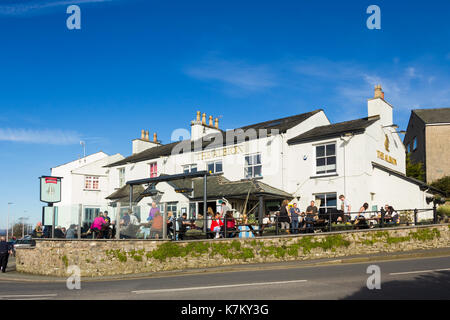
{"x":282,"y":125}
{"x":333,"y":130}
{"x":429,"y":116}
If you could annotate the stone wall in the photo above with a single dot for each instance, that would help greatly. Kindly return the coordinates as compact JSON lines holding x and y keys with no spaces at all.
{"x":114,"y":257}
{"x":437,"y":152}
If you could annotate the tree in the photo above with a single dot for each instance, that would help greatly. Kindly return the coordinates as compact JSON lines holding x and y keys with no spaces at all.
{"x":414,"y":170}
{"x":443,"y":184}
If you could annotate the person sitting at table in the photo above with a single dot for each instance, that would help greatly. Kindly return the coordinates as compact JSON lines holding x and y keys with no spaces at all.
{"x":216,"y":225}
{"x":393,"y":214}
{"x":230,"y":224}
{"x":182,"y":226}
{"x":266,"y":223}
{"x":361,"y":218}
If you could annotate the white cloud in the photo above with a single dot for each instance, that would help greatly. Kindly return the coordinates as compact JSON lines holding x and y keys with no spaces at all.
{"x":24,"y":7}
{"x":235,"y":74}
{"x":53,"y":137}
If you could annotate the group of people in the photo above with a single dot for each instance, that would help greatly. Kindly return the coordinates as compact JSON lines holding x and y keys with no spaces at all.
{"x":291,"y":219}
{"x":216,"y":227}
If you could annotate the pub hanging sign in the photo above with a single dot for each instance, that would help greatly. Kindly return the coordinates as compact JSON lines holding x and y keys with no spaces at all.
{"x":50,"y":189}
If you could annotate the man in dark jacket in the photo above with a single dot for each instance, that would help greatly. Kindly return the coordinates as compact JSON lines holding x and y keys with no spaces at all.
{"x":5,"y":251}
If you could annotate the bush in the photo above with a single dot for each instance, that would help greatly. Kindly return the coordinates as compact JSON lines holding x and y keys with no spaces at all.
{"x":443,"y":184}
{"x":444,"y":210}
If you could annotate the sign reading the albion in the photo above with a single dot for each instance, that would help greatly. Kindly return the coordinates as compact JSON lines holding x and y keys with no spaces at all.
{"x":386,"y":157}
{"x":220,"y":152}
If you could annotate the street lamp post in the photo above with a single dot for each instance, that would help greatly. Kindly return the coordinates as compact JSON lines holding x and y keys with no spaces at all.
{"x":7,"y":221}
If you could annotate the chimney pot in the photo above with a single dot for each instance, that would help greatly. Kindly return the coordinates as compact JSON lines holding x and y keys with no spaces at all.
{"x":204,"y":118}
{"x":155,"y":138}
{"x":143,"y":134}
{"x":146,"y":136}
{"x":198,"y":116}
{"x":210,"y":121}
{"x":217,"y":123}
{"x":379,"y":92}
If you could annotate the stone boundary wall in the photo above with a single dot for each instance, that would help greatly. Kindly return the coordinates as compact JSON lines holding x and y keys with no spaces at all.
{"x":115,"y":257}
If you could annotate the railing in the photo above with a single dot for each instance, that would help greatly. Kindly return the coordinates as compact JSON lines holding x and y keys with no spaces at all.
{"x":186,"y":229}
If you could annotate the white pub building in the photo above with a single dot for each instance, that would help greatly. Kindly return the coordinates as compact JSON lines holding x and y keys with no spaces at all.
{"x":300,"y":158}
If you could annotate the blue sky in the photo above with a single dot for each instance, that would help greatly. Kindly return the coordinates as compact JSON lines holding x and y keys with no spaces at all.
{"x":152,"y":64}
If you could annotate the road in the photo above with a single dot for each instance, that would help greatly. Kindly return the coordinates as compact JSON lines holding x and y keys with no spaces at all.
{"x":419,"y":278}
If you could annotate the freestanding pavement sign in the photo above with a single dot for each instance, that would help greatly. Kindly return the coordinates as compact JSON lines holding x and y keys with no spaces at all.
{"x":50,"y":193}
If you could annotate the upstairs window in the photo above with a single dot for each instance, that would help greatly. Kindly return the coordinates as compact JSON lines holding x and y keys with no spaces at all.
{"x":253,"y":166}
{"x":121,"y":177}
{"x":326,"y":158}
{"x":153,"y":170}
{"x":415,"y":143}
{"x":215,"y":167}
{"x":91,"y":183}
{"x":189,"y":168}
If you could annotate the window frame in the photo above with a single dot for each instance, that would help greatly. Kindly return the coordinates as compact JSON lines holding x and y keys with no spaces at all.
{"x":214,"y":163}
{"x":151,"y":165}
{"x":325,"y":156}
{"x":122,"y":178}
{"x":190,"y":166}
{"x":327,"y":207}
{"x":252,"y":165}
{"x":92,"y":181}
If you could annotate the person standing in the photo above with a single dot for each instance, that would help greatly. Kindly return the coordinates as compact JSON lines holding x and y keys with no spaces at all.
{"x":345,"y":208}
{"x":153,"y":210}
{"x":5,"y":251}
{"x":283,"y":217}
{"x":295,"y":212}
{"x":225,"y":209}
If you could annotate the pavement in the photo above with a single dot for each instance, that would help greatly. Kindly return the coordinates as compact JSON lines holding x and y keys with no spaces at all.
{"x":405,"y":275}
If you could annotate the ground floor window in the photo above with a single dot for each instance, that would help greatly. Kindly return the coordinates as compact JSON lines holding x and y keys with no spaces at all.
{"x":326,"y":202}
{"x":90,"y":214}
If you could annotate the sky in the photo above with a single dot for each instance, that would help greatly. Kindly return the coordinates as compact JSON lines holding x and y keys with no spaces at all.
{"x":152,"y":64}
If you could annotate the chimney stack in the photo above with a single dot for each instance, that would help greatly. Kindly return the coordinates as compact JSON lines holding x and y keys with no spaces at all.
{"x":155,"y":140}
{"x":379,"y":92}
{"x":216,"y":123}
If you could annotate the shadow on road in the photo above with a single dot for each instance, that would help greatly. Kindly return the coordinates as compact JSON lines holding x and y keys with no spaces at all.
{"x":431,"y":286}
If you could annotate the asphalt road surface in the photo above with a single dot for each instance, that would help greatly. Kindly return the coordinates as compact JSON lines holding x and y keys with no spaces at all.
{"x":421,"y":278}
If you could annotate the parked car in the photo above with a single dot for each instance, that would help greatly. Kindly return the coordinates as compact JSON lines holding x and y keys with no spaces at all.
{"x":25,"y":242}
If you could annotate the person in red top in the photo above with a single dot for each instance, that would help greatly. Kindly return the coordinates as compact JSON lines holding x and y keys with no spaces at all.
{"x":216,"y":225}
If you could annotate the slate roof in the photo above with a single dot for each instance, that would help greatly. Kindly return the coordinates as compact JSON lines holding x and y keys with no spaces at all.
{"x":334,"y":130}
{"x":123,"y":194}
{"x":429,"y":116}
{"x":282,"y":125}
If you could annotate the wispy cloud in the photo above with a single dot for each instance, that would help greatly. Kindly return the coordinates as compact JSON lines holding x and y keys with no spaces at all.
{"x":234,"y":74}
{"x":53,"y":137}
{"x":25,"y":7}
{"x":406,"y":85}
